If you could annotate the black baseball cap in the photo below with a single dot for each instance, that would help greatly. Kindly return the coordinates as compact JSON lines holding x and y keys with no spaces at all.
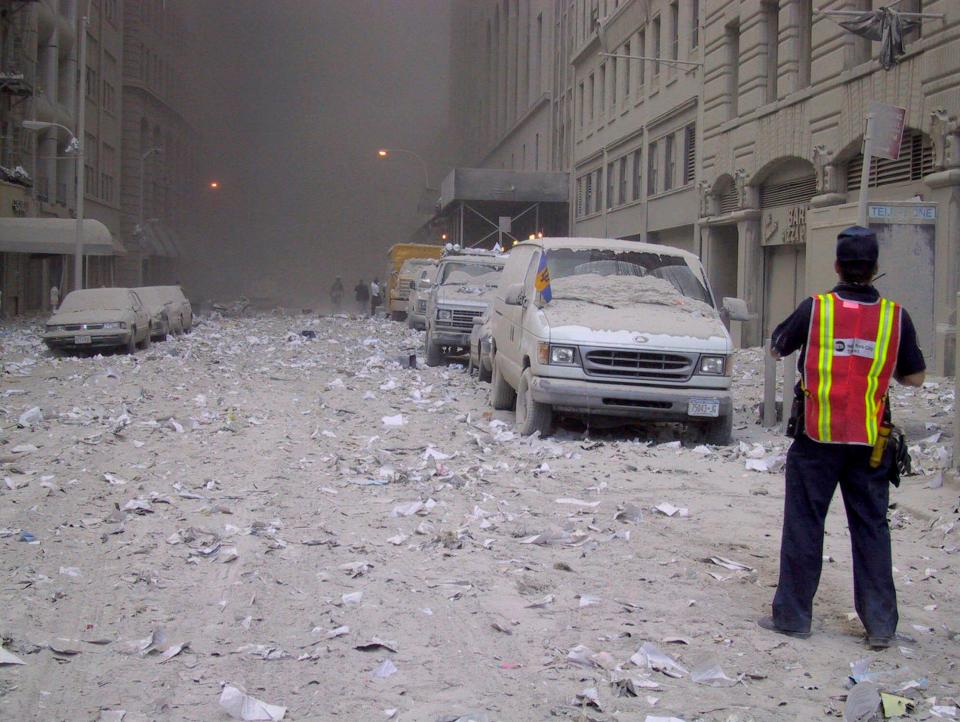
{"x":857,"y":243}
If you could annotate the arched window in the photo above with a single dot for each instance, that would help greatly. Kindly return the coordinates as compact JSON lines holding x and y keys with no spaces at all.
{"x":915,"y":161}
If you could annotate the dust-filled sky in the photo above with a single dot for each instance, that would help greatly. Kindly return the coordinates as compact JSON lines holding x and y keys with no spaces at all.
{"x":294,"y":99}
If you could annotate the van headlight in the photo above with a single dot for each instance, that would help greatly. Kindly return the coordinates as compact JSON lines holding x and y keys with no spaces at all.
{"x":444,"y":314}
{"x":713,"y":365}
{"x":114,"y":324}
{"x":557,"y":355}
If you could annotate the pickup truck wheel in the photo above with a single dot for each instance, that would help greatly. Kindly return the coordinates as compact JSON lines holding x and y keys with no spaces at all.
{"x":501,"y":395}
{"x":718,"y":431}
{"x":532,"y":416}
{"x":433,"y":352}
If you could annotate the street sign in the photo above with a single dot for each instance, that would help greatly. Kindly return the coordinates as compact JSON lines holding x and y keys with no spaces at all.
{"x":887,"y":130}
{"x":505,"y":224}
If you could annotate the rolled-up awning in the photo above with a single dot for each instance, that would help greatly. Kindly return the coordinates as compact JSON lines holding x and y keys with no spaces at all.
{"x":56,"y":236}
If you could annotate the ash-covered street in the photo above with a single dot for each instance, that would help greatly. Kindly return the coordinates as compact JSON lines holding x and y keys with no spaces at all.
{"x":278,"y":504}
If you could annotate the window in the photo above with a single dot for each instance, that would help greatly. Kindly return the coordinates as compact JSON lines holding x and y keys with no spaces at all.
{"x":580,"y":92}
{"x":689,"y":154}
{"x":108,"y":97}
{"x":579,"y":197}
{"x":609,"y":185}
{"x":804,"y":42}
{"x":652,"y":169}
{"x":637,"y":173}
{"x":655,"y":29}
{"x":613,"y":83}
{"x":588,"y":195}
{"x":694,"y":23}
{"x":733,"y":70}
{"x":603,"y":87}
{"x":626,"y":71}
{"x":106,"y":187}
{"x":642,"y":52}
{"x":669,"y":162}
{"x":771,"y":27}
{"x":92,"y":89}
{"x":593,"y":90}
{"x":674,"y":30}
{"x":110,"y":10}
{"x":622,"y":178}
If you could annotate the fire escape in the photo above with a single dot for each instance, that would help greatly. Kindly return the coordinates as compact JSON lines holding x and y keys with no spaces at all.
{"x":18,"y":67}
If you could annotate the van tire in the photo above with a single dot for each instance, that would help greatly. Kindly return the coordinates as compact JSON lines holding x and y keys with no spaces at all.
{"x":502,"y":396}
{"x":532,"y":416}
{"x":483,"y":374}
{"x":432,"y":351}
{"x":719,"y":431}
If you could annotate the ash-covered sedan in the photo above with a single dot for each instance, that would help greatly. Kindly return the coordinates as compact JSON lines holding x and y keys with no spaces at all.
{"x":170,"y":311}
{"x":97,"y":319}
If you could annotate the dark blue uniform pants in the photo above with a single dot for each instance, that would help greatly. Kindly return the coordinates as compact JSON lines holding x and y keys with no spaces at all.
{"x":813,"y":472}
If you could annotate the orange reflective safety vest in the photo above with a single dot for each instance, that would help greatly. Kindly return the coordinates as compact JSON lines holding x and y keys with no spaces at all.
{"x":851,"y":353}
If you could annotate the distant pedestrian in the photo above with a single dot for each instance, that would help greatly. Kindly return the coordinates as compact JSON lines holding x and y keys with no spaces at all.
{"x":375,"y":299}
{"x":361,"y":292}
{"x":54,"y":298}
{"x":336,"y":294}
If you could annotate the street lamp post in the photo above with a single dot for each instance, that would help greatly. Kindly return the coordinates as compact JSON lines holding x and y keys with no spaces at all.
{"x":78,"y":150}
{"x":385,"y":153}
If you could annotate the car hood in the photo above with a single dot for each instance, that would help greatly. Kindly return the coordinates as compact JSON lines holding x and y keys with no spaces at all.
{"x":88,"y":316}
{"x":471,"y":296}
{"x":648,"y":325}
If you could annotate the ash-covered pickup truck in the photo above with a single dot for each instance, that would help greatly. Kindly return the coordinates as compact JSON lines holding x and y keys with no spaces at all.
{"x":624,"y":329}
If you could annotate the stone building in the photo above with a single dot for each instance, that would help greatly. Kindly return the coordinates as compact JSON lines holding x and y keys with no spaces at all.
{"x":785,"y":96}
{"x":159,"y":184}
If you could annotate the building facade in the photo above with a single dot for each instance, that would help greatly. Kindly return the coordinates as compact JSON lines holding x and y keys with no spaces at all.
{"x":785,"y":96}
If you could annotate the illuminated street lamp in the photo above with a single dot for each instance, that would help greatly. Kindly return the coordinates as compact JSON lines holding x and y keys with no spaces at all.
{"x":385,"y":153}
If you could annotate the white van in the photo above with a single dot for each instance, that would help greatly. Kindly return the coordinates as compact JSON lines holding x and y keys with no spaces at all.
{"x":632,"y":330}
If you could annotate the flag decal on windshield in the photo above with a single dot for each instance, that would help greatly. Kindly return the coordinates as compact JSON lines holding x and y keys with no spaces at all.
{"x":542,"y":282}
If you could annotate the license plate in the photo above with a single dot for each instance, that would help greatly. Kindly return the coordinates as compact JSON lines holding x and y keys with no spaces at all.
{"x":704,"y":407}
{"x":81,"y":339}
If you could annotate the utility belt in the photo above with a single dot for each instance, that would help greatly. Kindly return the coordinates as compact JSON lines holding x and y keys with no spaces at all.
{"x":890,"y":448}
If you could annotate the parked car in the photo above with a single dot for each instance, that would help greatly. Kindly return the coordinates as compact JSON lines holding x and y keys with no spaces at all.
{"x":170,"y":311}
{"x":462,"y":292}
{"x":480,"y":345}
{"x":632,"y":330}
{"x":99,"y":318}
{"x":419,"y":296}
{"x":402,"y":288}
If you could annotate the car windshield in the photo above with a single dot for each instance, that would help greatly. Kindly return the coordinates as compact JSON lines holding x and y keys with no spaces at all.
{"x":97,"y":299}
{"x":476,"y":274}
{"x":672,"y":272}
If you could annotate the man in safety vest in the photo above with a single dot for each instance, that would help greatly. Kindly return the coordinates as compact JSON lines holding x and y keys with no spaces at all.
{"x":852,"y":342}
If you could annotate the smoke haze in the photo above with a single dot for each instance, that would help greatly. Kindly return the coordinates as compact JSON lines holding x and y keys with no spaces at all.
{"x":293,"y":99}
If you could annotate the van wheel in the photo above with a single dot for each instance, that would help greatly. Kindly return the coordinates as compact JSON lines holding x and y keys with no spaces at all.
{"x":719,"y":431}
{"x":501,"y":394}
{"x":532,"y":416}
{"x":433,"y":351}
{"x":483,"y":373}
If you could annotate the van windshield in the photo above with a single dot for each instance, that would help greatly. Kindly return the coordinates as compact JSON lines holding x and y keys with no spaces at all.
{"x":457,"y":274}
{"x":604,"y":262}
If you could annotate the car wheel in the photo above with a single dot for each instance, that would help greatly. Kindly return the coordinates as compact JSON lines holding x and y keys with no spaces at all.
{"x":532,"y":416}
{"x":131,"y":346}
{"x":501,"y":394}
{"x":718,"y":431}
{"x":146,"y":342}
{"x":433,"y":352}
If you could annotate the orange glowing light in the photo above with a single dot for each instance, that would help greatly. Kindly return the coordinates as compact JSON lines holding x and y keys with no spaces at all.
{"x":382,"y":153}
{"x":214,"y":184}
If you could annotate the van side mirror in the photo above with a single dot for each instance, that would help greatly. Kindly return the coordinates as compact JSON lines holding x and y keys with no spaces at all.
{"x":736,"y":309}
{"x":514,"y":295}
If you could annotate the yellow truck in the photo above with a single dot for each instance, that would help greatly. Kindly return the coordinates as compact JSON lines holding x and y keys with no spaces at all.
{"x":401,"y":271}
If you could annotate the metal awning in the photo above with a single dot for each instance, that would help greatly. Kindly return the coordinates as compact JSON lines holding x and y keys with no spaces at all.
{"x":56,"y":236}
{"x":484,"y":184}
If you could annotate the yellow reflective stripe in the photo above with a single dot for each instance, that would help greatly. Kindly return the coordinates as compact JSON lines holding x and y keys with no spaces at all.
{"x":825,"y":365}
{"x":880,"y":349}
